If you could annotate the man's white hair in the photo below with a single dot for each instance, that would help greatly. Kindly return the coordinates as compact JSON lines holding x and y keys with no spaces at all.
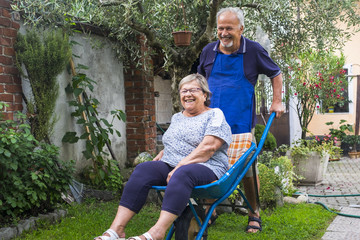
{"x":237,"y":11}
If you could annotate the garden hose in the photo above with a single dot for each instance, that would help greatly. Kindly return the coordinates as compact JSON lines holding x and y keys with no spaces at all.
{"x":324,"y":206}
{"x":338,"y":213}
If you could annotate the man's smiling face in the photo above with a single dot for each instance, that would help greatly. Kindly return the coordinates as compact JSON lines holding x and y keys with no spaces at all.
{"x":229,"y":31}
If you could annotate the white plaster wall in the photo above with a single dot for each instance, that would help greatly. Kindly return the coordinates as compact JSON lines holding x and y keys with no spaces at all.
{"x":163,"y":103}
{"x":295,"y":128}
{"x":106,"y":70}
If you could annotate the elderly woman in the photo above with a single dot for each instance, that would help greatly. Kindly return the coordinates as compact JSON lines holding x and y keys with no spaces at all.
{"x":195,"y":146}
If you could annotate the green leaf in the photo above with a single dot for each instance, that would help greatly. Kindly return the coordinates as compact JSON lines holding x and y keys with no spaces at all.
{"x":70,"y":137}
{"x":84,"y":136}
{"x":14,"y":165}
{"x":118,"y":133}
{"x":73,"y":103}
{"x":69,"y":89}
{"x":78,"y":91}
{"x":7,"y":153}
{"x":34,"y":176}
{"x":82,"y":67}
{"x":81,"y":121}
{"x":106,"y":122}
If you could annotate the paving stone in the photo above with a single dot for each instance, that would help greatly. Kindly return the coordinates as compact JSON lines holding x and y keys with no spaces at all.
{"x":8,"y":233}
{"x":342,"y":179}
{"x":341,"y":236}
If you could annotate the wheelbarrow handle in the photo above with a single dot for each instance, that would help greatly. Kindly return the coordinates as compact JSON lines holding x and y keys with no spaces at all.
{"x":266,"y":131}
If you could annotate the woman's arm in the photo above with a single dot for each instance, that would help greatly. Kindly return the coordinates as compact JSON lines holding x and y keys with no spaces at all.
{"x":208,"y":146}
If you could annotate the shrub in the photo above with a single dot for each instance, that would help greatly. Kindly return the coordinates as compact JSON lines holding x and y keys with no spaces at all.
{"x":275,"y":171}
{"x":44,"y":54}
{"x":270,"y":141}
{"x":269,"y":181}
{"x":31,"y":178}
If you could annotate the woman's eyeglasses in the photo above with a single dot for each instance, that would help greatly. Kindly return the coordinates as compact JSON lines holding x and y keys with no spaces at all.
{"x":191,"y":90}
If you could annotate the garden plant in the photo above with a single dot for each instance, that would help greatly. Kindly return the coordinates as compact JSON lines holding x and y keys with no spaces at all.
{"x":44,"y":55}
{"x":32,"y":177}
{"x":316,"y":80}
{"x":341,"y":131}
{"x":103,"y":170}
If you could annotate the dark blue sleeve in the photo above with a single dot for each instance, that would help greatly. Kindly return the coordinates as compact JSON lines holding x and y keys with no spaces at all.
{"x":257,"y":61}
{"x":207,"y":58}
{"x":266,"y":65}
{"x":200,"y":68}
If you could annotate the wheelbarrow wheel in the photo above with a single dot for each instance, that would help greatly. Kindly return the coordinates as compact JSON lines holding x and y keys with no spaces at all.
{"x":186,"y":226}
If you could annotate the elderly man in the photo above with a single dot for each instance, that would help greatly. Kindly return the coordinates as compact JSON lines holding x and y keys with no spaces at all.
{"x":232,"y":65}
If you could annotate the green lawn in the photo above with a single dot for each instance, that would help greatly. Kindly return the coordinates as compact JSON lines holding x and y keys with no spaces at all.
{"x":85,"y":221}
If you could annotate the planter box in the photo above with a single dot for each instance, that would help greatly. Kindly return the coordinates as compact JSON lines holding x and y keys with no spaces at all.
{"x":311,"y":168}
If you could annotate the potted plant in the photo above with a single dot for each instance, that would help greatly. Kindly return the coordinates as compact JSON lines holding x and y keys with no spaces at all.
{"x":182,"y":35}
{"x":332,"y":146}
{"x":340,"y":133}
{"x":353,"y":141}
{"x":310,"y":160}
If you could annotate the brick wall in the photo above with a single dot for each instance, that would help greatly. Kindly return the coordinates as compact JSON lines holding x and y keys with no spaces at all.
{"x":140,"y":108}
{"x":10,"y":82}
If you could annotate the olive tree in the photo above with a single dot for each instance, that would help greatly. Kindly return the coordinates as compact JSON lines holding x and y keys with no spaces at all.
{"x":292,"y":25}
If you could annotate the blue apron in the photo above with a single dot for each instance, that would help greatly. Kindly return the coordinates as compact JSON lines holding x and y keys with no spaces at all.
{"x":232,"y":92}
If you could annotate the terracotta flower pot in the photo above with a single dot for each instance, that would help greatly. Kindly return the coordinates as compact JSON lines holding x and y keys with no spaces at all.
{"x":182,"y":38}
{"x":353,"y":155}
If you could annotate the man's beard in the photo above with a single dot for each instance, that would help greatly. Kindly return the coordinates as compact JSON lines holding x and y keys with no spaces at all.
{"x":227,"y":45}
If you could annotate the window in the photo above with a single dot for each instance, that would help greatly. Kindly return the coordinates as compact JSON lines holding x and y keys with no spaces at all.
{"x":346,"y":107}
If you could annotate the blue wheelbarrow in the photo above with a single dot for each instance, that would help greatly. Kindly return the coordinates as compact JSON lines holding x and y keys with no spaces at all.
{"x":242,"y":148}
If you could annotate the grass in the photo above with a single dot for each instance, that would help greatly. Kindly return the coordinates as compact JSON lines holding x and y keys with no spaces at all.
{"x":85,"y":221}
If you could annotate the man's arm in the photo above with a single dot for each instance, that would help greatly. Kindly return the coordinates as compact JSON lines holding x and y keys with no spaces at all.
{"x":276,"y":105}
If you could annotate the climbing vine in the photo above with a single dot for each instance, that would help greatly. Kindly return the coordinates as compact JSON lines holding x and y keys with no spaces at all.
{"x":96,"y":136}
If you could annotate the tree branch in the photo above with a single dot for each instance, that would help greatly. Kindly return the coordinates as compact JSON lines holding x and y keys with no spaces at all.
{"x":205,"y":38}
{"x":253,"y":5}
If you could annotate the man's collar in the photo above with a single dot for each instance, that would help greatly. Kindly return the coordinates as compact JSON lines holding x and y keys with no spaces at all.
{"x":242,"y":48}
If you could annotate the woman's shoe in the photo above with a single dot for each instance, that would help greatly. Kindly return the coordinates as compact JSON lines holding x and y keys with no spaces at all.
{"x":113,"y":235}
{"x":146,"y":235}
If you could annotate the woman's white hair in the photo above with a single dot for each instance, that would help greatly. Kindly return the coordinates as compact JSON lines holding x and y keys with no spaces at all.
{"x":237,"y":11}
{"x":201,"y":80}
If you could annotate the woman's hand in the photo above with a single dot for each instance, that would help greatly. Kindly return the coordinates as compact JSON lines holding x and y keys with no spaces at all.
{"x":159,"y":156}
{"x":170,"y":174}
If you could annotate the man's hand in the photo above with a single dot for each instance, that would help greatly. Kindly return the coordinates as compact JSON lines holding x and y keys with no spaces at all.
{"x":278,"y":108}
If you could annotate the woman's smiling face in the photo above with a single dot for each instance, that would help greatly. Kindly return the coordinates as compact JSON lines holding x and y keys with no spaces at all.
{"x":192,"y":98}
